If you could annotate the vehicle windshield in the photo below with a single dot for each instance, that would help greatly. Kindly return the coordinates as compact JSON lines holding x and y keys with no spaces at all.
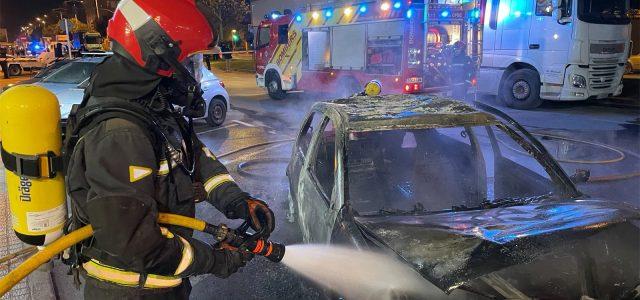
{"x":431,"y":170}
{"x":73,"y":73}
{"x":604,"y":12}
{"x":50,"y":69}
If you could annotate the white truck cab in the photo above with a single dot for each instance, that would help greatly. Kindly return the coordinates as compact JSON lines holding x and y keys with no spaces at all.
{"x":562,"y":50}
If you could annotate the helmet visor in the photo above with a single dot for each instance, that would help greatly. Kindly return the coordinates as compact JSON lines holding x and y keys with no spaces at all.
{"x":194,"y":65}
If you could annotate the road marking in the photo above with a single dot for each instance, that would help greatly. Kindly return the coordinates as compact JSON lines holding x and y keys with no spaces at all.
{"x":244,"y":123}
{"x":219,"y":128}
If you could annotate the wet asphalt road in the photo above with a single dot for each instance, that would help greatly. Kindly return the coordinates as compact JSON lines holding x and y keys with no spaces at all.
{"x":600,"y":138}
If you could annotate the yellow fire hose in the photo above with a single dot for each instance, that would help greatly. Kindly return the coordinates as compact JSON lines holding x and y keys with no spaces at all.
{"x":41,"y":257}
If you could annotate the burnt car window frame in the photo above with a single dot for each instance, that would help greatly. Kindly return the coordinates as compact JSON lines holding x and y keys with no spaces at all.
{"x":308,"y":129}
{"x":312,"y":159}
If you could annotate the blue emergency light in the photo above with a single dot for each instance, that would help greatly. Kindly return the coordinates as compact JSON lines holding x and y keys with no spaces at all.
{"x":298,"y":18}
{"x":274,"y":16}
{"x":445,"y":13}
{"x":397,"y":5}
{"x":409,"y":13}
{"x":328,"y":13}
{"x":363,"y":9}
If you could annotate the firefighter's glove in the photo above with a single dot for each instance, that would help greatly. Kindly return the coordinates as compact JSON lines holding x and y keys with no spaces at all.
{"x":228,"y":261}
{"x":258,"y":214}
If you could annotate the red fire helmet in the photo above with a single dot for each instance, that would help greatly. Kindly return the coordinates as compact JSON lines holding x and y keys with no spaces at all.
{"x":158,"y":34}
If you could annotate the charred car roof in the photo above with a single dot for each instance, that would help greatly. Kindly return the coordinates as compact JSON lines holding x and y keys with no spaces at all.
{"x":389,"y":112}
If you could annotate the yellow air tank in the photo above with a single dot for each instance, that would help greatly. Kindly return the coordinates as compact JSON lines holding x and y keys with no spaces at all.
{"x":31,"y":149}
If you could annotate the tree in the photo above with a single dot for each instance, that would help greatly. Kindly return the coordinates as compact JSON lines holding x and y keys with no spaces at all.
{"x":53,"y":29}
{"x":226,"y":14}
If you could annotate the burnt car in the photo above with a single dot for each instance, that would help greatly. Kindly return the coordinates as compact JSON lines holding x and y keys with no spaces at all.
{"x":464,"y":195}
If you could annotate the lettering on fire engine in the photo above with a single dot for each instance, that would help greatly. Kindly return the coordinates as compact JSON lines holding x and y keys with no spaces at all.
{"x":25,"y":189}
{"x":292,"y":38}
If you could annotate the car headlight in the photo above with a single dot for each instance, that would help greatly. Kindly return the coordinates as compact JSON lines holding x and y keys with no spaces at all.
{"x":578,"y":81}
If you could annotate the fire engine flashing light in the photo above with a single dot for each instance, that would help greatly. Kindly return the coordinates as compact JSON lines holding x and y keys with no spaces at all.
{"x":348,"y":11}
{"x":315,"y":15}
{"x":328,"y":13}
{"x":397,"y":5}
{"x":445,"y":13}
{"x":409,"y":13}
{"x":363,"y":9}
{"x":274,"y":16}
{"x":385,"y":6}
{"x":298,"y":18}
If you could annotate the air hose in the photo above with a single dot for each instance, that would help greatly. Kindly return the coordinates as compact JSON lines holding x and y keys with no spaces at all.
{"x":270,"y":250}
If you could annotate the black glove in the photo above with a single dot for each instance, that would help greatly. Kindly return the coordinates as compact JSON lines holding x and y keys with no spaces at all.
{"x":257,"y":213}
{"x":228,"y":261}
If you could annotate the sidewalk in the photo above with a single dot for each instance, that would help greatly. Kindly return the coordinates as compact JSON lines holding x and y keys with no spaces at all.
{"x":39,"y":284}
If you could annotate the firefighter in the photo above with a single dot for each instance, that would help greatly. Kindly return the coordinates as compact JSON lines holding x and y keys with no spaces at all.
{"x":134,"y":153}
{"x":461,"y":70}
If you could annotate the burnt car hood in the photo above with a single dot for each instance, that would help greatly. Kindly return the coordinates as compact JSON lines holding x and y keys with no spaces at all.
{"x":452,"y":248}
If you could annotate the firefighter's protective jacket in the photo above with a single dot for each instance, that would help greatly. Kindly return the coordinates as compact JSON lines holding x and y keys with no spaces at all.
{"x":119,"y":179}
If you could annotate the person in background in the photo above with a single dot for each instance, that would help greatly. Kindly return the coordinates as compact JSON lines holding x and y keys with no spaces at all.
{"x":217,"y":51}
{"x":3,"y":62}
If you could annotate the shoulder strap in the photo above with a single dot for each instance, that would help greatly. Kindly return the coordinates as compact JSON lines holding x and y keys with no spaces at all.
{"x":84,"y":119}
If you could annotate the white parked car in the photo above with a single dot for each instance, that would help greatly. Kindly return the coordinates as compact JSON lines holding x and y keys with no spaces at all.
{"x":68,"y":84}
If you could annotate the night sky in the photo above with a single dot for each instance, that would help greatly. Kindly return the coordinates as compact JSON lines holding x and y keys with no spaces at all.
{"x":14,"y":13}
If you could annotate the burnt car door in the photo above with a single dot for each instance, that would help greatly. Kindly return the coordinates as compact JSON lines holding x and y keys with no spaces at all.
{"x":299,"y":153}
{"x":318,"y":191}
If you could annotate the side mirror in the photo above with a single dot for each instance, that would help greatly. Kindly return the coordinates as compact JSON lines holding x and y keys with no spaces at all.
{"x":562,"y":11}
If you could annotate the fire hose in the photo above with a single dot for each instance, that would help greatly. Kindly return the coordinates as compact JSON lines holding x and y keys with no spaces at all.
{"x":227,"y":237}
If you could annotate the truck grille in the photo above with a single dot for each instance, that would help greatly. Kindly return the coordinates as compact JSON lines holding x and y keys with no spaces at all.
{"x":602,"y":76}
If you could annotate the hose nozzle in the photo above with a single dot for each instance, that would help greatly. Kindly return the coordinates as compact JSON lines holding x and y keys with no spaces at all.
{"x":272,"y":251}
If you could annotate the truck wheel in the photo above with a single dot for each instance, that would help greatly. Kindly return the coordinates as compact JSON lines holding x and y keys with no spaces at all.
{"x":274,"y":86}
{"x":521,"y":89}
{"x":217,"y":112}
{"x":15,"y":70}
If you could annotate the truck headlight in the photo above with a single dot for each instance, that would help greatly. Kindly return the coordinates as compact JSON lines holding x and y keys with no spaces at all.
{"x":578,"y":81}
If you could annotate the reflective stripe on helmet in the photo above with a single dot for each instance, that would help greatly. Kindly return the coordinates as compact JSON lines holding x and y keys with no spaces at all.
{"x":135,"y":15}
{"x":216,"y":181}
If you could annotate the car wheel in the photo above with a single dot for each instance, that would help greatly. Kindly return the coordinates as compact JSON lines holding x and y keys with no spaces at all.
{"x":217,"y":112}
{"x":521,"y":89}
{"x":274,"y":87}
{"x":15,"y":70}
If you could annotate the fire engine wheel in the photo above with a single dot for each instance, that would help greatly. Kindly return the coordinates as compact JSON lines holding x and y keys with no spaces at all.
{"x":275,"y":87}
{"x":15,"y":70}
{"x":521,"y":89}
{"x":217,"y":113}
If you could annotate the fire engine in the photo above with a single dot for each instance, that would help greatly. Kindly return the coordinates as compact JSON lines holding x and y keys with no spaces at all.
{"x":340,"y":48}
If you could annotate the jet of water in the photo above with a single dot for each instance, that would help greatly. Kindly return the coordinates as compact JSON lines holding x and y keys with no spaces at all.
{"x":355,"y":274}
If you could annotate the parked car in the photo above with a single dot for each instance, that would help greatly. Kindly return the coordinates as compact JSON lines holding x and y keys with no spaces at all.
{"x":633,"y":64}
{"x":69,"y":80}
{"x":466,"y":197}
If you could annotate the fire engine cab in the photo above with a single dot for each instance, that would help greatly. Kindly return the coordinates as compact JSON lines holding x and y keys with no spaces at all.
{"x":340,"y":48}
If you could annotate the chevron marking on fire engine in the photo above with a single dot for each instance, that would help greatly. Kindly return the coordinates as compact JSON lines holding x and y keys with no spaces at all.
{"x":293,"y":55}
{"x":138,"y":173}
